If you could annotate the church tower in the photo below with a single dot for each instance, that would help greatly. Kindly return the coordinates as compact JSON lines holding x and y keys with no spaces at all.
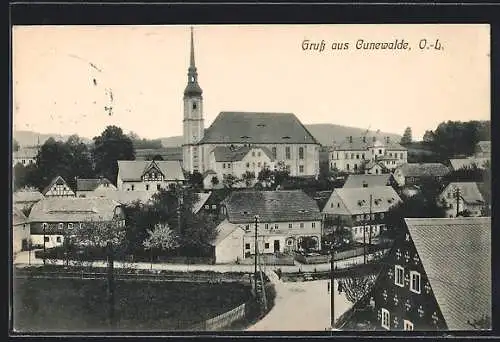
{"x":193,"y":118}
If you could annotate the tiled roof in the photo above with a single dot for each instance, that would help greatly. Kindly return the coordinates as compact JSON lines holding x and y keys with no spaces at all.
{"x":167,"y":153}
{"x":73,"y":210}
{"x":469,"y":191}
{"x":357,"y":181}
{"x":122,"y":196}
{"x":357,"y":200}
{"x":57,"y":180}
{"x":271,"y":206}
{"x":18,"y":217}
{"x":27,"y":196}
{"x":257,"y":128}
{"x":321,"y":197}
{"x":224,"y":229}
{"x":203,"y":197}
{"x":132,"y":170}
{"x":228,"y":154}
{"x":424,"y":169}
{"x":358,"y":144}
{"x":90,"y":184}
{"x":456,"y":256}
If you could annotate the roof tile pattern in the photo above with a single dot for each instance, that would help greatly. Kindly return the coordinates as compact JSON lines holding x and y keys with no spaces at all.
{"x":71,"y":209}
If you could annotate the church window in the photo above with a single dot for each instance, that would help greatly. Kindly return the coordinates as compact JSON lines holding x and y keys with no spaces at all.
{"x":147,"y":186}
{"x":132,"y":187}
{"x":287,"y":152}
{"x":347,"y":166}
{"x":258,"y":164}
{"x":258,"y":154}
{"x":158,"y":186}
{"x":253,"y":153}
{"x":301,"y":168}
{"x":301,"y":153}
{"x":192,"y":78}
{"x":194,"y":105}
{"x":223,"y":165}
{"x":352,"y":155}
{"x":346,"y":156}
{"x":357,"y":156}
{"x":274,"y":152}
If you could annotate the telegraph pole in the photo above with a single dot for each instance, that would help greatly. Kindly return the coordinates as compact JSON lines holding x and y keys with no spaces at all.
{"x":332,"y":287}
{"x":44,"y":249}
{"x":370,"y":236}
{"x":111,"y":286}
{"x":457,"y":196}
{"x":256,"y":252}
{"x":364,"y":238}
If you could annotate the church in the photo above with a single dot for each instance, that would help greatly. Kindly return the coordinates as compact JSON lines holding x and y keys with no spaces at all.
{"x":281,"y":135}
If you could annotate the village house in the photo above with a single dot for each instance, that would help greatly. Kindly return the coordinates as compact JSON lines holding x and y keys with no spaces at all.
{"x":460,"y":197}
{"x":281,"y":133}
{"x":285,"y":220}
{"x":361,"y":210}
{"x":236,"y":161}
{"x":58,"y":188}
{"x":20,"y":231}
{"x":483,"y":149}
{"x":414,"y":173}
{"x":368,"y":181}
{"x":26,"y":198}
{"x":228,"y":245}
{"x":199,"y":205}
{"x":151,"y":176}
{"x":377,"y":153}
{"x":25,"y":156}
{"x":51,"y":219}
{"x":375,"y":168}
{"x":87,"y":187}
{"x":437,"y":277}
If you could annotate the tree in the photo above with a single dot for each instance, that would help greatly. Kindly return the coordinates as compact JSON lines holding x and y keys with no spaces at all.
{"x":112,"y":145}
{"x":280,"y":174}
{"x":195,"y":179}
{"x":15,"y":145}
{"x":248,"y":177}
{"x":428,"y":137}
{"x":265,"y":176}
{"x":19,"y":176}
{"x":214,"y":181}
{"x":357,"y":285}
{"x":407,"y":136}
{"x":161,"y":238}
{"x":308,"y":243}
{"x":198,"y":232}
{"x":229,"y":181}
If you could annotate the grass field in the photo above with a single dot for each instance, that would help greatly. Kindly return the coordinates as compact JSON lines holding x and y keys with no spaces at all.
{"x":76,"y":305}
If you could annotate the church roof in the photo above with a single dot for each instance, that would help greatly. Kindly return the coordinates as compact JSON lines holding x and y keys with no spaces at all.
{"x":257,"y":128}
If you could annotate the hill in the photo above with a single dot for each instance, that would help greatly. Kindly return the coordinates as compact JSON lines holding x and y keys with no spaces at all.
{"x":29,"y":138}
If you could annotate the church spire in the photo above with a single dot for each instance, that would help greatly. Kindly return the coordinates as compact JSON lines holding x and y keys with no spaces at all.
{"x":192,"y":88}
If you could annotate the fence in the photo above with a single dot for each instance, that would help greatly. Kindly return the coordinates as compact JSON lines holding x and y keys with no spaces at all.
{"x":222,"y":321}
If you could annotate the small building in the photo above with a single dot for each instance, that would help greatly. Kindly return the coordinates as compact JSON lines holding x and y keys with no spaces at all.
{"x":211,"y":180}
{"x":368,"y":181}
{"x":143,"y":175}
{"x":460,"y":197}
{"x":461,"y":163}
{"x":86,"y":187}
{"x":483,"y":149}
{"x":375,"y":168}
{"x":415,"y":173}
{"x":228,"y":246}
{"x":58,"y":188}
{"x":20,"y":231}
{"x":361,"y":210}
{"x":25,"y":156}
{"x":51,"y":219}
{"x":286,"y":219}
{"x":199,"y":205}
{"x":437,"y":277}
{"x":26,"y":198}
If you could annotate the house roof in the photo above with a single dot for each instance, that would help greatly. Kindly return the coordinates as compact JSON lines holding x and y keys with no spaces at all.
{"x":424,"y":169}
{"x":18,"y":217}
{"x":25,"y":153}
{"x":224,"y":229}
{"x":357,"y":181}
{"x":358,"y":144}
{"x":484,"y":146}
{"x":456,"y":254}
{"x":56,"y":181}
{"x":203,"y":197}
{"x":271,"y":206}
{"x":469,"y":191}
{"x":460,"y":163}
{"x":90,"y":184}
{"x":27,"y":196}
{"x":123,"y":196}
{"x":72,"y":209}
{"x":485,"y":190}
{"x":167,"y":153}
{"x":357,"y":200}
{"x":373,"y":163}
{"x":321,"y":198}
{"x":228,"y":154}
{"x":132,"y":170}
{"x":257,"y":128}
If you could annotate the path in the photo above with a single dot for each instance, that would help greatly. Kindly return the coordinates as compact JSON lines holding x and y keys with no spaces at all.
{"x":302,"y":306}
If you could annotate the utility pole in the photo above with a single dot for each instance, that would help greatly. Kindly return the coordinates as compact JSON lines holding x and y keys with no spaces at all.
{"x":44,"y":249}
{"x":457,"y":197}
{"x":364,"y":238}
{"x":332,"y":286}
{"x":256,"y":252}
{"x":111,"y":286}
{"x":370,"y":236}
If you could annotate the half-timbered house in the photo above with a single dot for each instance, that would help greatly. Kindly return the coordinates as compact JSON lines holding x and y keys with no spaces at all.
{"x":58,"y":188}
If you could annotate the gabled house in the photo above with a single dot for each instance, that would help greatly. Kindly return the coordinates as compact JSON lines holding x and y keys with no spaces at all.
{"x":149,"y":176}
{"x":285,"y":219}
{"x":51,"y":219}
{"x":415,"y":173}
{"x":20,"y":231}
{"x":483,"y":149}
{"x":437,"y":277}
{"x":368,"y":181}
{"x":462,"y":196}
{"x":361,"y":210}
{"x":25,"y":156}
{"x":58,"y":188}
{"x":375,"y":168}
{"x":87,"y":187}
{"x":228,"y":245}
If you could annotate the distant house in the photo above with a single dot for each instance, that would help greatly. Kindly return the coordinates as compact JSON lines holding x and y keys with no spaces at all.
{"x":236,"y":161}
{"x":208,"y":180}
{"x":20,"y":231}
{"x":51,"y":219}
{"x":25,"y":156}
{"x":368,"y":181}
{"x":483,"y":149}
{"x":26,"y":198}
{"x":469,"y":199}
{"x":227,"y":247}
{"x":58,"y":188}
{"x":432,"y":283}
{"x":375,"y":168}
{"x":354,"y":153}
{"x":214,"y":202}
{"x":86,"y":187}
{"x":142,"y":175}
{"x":359,"y":209}
{"x":286,"y":218}
{"x":415,"y":173}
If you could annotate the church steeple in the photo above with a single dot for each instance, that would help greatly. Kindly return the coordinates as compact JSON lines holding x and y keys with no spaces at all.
{"x":192,"y":88}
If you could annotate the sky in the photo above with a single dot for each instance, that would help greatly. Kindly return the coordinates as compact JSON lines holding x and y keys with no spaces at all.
{"x":260,"y":68}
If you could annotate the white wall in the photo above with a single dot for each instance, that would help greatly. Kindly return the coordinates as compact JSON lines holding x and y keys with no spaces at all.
{"x":37,"y":240}
{"x":230,"y":249}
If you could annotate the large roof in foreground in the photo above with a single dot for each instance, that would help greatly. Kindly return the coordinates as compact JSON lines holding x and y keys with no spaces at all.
{"x":257,"y":128}
{"x":456,"y":255}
